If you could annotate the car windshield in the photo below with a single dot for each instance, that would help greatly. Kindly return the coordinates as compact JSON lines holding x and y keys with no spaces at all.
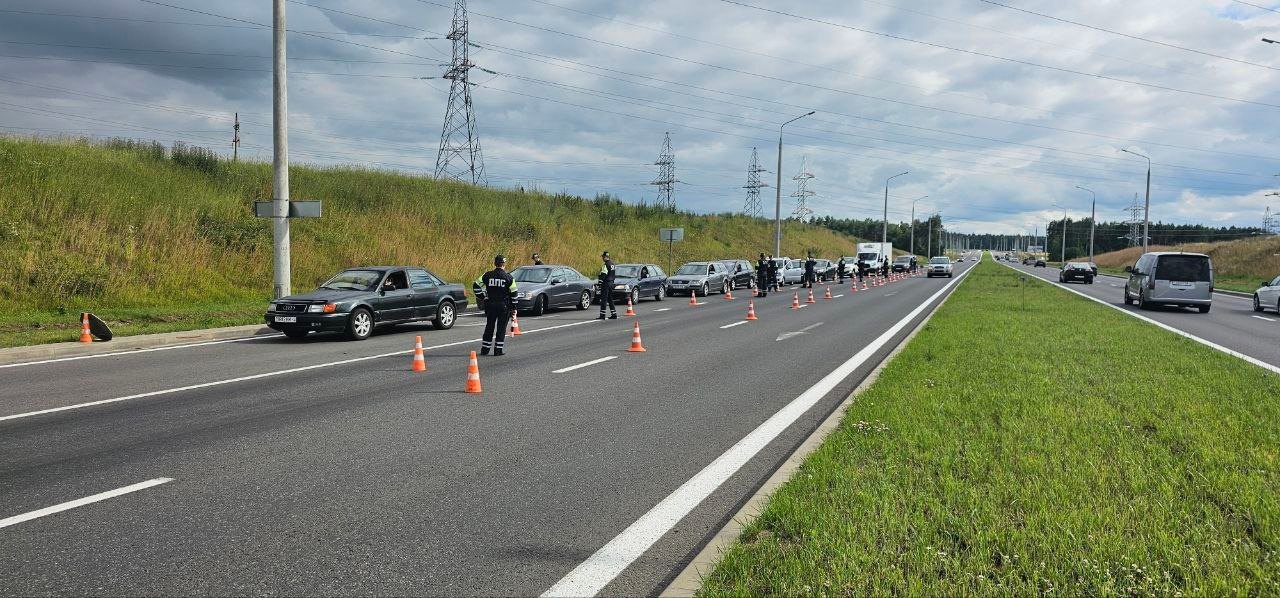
{"x":867,"y":256}
{"x":523,"y":274}
{"x":353,"y":280}
{"x":692,"y":270}
{"x":903,"y":260}
{"x":627,"y":271}
{"x":1183,"y":268}
{"x":939,"y":260}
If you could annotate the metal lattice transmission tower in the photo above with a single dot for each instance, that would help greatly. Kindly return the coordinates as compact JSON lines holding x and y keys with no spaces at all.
{"x":1135,"y":222}
{"x":459,"y":157}
{"x":802,"y":193}
{"x":753,"y":186}
{"x":666,"y":180}
{"x":1270,"y":222}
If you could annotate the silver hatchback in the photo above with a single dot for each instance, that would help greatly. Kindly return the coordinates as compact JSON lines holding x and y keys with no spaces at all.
{"x":1170,"y":278}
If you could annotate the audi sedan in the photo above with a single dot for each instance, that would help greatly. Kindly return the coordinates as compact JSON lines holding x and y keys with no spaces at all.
{"x":357,"y":300}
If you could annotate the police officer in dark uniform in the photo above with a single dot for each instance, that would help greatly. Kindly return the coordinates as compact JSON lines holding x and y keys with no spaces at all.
{"x":606,"y":277}
{"x":499,"y":302}
{"x":762,"y":275}
{"x":774,"y":281}
{"x":809,"y":265}
{"x":840,"y":271}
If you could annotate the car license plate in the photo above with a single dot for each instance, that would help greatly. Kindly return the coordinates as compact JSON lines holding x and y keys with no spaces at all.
{"x":286,"y":319}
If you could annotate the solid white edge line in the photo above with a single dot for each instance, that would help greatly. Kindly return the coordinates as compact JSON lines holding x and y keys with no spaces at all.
{"x":1262,"y":318}
{"x":1205,"y":342}
{"x":583,"y":365}
{"x":259,"y":376}
{"x":662,"y":309}
{"x":593,"y":574}
{"x":135,"y":351}
{"x":80,"y":502}
{"x":738,"y":323}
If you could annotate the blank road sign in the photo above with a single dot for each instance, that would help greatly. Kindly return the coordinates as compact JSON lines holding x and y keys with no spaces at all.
{"x":671,"y":234}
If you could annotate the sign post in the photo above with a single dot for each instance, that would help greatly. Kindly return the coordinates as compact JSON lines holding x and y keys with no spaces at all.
{"x":670,"y":235}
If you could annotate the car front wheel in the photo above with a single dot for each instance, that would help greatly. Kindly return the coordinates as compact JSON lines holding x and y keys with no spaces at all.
{"x":584,"y":301}
{"x":360,"y":324}
{"x":705,"y":288}
{"x":1257,"y":303}
{"x":635,"y":296}
{"x":662,"y":293}
{"x":1127,"y":299}
{"x":445,"y":316}
{"x":539,"y":305}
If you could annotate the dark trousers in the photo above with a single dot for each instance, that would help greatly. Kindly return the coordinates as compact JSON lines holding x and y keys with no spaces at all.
{"x":495,"y":321}
{"x":763,"y":283}
{"x":607,"y":297}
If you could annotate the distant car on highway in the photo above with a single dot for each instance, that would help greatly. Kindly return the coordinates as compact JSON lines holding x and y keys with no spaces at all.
{"x":939,"y":266}
{"x":549,"y":286}
{"x":1170,"y":278}
{"x":904,"y":263}
{"x":1040,"y":264}
{"x":1267,"y":296}
{"x":741,"y":274}
{"x":357,"y":300}
{"x":1075,"y":271}
{"x":700,"y":277}
{"x":638,"y":281}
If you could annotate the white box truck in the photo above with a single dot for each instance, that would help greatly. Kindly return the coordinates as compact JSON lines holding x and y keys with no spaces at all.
{"x":875,"y":255}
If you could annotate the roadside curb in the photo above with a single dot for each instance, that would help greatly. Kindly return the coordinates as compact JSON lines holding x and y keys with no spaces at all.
{"x":689,"y":580}
{"x":131,"y":343}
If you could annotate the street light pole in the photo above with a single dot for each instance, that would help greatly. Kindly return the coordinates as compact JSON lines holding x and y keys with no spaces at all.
{"x":777,"y":188}
{"x":280,"y":161}
{"x":1093,"y":220}
{"x":1146,"y":212}
{"x":913,"y":223}
{"x":884,"y":233}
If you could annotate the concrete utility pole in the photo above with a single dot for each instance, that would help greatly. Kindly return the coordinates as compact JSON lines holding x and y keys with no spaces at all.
{"x":1146,"y":210}
{"x":235,"y":140}
{"x":280,"y":162}
{"x":884,"y":233}
{"x":912,"y":251}
{"x":1093,"y":219}
{"x":777,"y":197}
{"x":929,"y":250}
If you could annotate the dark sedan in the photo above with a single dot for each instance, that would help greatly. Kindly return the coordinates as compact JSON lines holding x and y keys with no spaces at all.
{"x":1040,"y":264}
{"x":539,"y":288}
{"x":359,"y":299}
{"x":1076,"y":271}
{"x":638,"y":281}
{"x":742,"y":275}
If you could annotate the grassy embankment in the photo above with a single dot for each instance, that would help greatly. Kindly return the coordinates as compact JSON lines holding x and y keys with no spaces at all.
{"x":1005,"y":453}
{"x":153,"y":241}
{"x":1238,"y":265}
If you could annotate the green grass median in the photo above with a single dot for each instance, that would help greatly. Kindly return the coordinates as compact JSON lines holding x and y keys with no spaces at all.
{"x":1030,"y":441}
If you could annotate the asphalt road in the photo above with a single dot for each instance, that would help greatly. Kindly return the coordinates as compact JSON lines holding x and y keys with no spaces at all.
{"x":1231,"y":322}
{"x":327,"y":467}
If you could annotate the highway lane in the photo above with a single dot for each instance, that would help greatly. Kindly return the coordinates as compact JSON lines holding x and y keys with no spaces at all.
{"x":1231,"y":322}
{"x":365,"y":478}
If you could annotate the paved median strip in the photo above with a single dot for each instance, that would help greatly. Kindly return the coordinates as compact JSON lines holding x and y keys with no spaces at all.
{"x":583,"y":365}
{"x":80,"y":502}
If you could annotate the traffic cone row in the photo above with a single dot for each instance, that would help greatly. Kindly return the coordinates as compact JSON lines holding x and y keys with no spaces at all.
{"x":630,"y":310}
{"x":85,"y":336}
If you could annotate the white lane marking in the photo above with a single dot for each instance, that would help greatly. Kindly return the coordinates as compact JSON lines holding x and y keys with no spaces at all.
{"x":662,"y":309}
{"x":134,"y":351}
{"x":304,"y":368}
{"x":786,"y":335}
{"x":1262,"y":318}
{"x":471,"y":325}
{"x":583,"y":365}
{"x":738,"y":323}
{"x":593,"y":574}
{"x":838,"y":296}
{"x":80,"y":502}
{"x":1205,"y":342}
{"x":890,"y":294}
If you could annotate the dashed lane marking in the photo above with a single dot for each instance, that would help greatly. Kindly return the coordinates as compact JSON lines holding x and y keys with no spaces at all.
{"x":738,"y":323}
{"x":584,"y":364}
{"x":80,"y":502}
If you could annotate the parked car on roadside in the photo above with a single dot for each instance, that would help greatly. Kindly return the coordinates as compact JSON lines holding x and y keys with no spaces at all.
{"x":850,"y":266}
{"x":700,"y":277}
{"x":742,"y":275}
{"x":357,"y":300}
{"x":638,"y":281}
{"x":1075,"y":271}
{"x":794,"y":274}
{"x":1170,"y":278}
{"x":539,"y":288}
{"x":1094,"y":268}
{"x":783,"y":263}
{"x":1267,"y":296}
{"x":904,"y":263}
{"x":939,"y":266}
{"x":824,"y":270}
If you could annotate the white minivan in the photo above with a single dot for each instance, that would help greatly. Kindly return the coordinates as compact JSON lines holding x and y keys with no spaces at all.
{"x":1170,"y":278}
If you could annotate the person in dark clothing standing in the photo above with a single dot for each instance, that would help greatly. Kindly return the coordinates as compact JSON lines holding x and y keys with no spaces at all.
{"x":840,"y":271}
{"x":775,"y":278}
{"x":606,"y":286}
{"x":762,"y":275}
{"x":809,"y":265}
{"x":499,"y":302}
{"x":862,"y":271}
{"x":884,"y":269}
{"x":537,"y":260}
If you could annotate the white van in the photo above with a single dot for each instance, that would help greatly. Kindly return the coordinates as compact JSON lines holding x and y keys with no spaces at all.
{"x":1170,"y":278}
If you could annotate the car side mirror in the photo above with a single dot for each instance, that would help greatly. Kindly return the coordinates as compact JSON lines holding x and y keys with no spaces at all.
{"x":556,"y":281}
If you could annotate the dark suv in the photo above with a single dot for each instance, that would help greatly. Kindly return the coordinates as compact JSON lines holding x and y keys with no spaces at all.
{"x":358,"y":299}
{"x":1076,"y":271}
{"x":741,"y":274}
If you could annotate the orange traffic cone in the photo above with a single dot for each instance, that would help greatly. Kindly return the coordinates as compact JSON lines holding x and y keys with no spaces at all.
{"x":853,"y":288}
{"x":85,"y":336}
{"x":473,"y":375}
{"x":864,"y":285}
{"x":419,"y":362}
{"x":693,"y":297}
{"x":810,"y":299}
{"x":751,"y":310}
{"x":630,"y":311}
{"x":515,"y":325}
{"x":728,"y":295}
{"x":795,"y":300}
{"x":827,"y":296}
{"x":636,"y":347}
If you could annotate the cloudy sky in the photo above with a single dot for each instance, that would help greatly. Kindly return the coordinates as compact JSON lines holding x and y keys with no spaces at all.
{"x":998,"y":109}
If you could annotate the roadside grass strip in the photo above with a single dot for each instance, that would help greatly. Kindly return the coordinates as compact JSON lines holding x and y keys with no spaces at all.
{"x":1028,"y":441}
